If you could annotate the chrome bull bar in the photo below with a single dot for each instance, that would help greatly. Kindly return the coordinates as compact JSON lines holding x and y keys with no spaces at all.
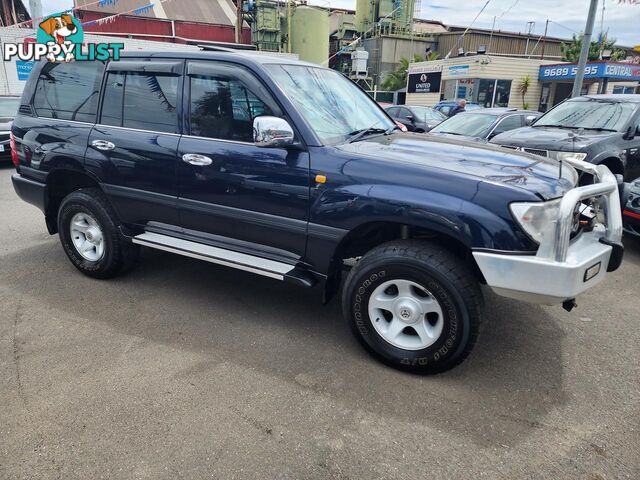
{"x":555,"y":245}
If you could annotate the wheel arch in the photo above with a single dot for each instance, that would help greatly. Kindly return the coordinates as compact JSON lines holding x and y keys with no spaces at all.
{"x":366,"y":236}
{"x":60,"y":183}
{"x":614,"y":164}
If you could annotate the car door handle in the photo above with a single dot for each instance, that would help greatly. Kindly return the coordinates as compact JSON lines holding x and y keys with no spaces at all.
{"x":103,"y":145}
{"x":196,"y":159}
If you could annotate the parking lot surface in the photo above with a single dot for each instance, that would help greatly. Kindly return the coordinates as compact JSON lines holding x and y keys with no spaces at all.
{"x":183,"y":369}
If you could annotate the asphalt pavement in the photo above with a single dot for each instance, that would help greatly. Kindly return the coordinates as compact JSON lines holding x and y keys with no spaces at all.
{"x":184,"y":369}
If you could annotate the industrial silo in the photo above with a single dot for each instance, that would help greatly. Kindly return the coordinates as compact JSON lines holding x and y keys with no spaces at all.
{"x":310,"y":33}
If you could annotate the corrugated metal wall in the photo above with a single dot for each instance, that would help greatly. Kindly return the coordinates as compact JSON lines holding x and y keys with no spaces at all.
{"x":161,"y":29}
{"x":500,"y":43}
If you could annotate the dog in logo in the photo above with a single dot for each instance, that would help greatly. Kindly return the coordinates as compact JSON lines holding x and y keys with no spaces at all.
{"x":60,"y":28}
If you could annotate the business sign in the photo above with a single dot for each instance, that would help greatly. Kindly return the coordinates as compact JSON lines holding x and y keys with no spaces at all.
{"x":618,"y":71}
{"x":424,"y":82}
{"x":425,"y":69}
{"x":458,"y":70}
{"x":24,"y":69}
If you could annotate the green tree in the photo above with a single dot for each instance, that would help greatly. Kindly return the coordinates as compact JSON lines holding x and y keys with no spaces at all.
{"x":397,"y":79}
{"x":525,"y":83}
{"x":571,"y":50}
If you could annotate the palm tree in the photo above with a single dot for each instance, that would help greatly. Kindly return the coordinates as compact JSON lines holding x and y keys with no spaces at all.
{"x":525,"y":83}
{"x":397,"y":79}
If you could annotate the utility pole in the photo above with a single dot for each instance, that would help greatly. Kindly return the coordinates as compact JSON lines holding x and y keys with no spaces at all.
{"x":584,"y":52}
{"x":544,"y":40}
{"x":239,"y":21}
{"x":493,"y":27}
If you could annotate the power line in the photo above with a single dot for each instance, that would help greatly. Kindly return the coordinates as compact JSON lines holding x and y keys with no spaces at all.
{"x":562,"y":26}
{"x":468,"y":28}
{"x":509,"y":9}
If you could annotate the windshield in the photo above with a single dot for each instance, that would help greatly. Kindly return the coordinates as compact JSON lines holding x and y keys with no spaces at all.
{"x":425,"y":114}
{"x":470,"y":124}
{"x":589,"y":114}
{"x":333,"y":106}
{"x":9,"y":107}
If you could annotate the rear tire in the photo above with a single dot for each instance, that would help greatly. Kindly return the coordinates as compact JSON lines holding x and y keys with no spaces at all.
{"x":89,"y":233}
{"x":414,"y":305}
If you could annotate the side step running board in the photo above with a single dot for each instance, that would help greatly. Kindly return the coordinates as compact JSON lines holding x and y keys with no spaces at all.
{"x":241,"y":261}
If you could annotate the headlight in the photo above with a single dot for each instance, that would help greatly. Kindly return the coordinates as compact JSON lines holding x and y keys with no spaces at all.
{"x":537,"y":219}
{"x":568,"y":156}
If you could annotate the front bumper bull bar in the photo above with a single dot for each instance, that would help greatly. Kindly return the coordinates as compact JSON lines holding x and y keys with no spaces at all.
{"x":562,"y":269}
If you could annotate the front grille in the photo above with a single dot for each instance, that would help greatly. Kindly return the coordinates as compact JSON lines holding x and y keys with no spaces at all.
{"x":533,"y":151}
{"x":4,"y":136}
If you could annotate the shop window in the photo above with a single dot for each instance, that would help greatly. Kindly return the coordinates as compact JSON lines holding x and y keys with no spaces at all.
{"x":503,"y":91}
{"x":494,"y":93}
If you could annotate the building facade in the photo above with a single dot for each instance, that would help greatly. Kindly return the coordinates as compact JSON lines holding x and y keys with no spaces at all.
{"x":496,"y":81}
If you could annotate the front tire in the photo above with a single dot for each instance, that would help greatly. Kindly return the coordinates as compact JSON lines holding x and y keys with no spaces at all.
{"x":414,"y":305}
{"x":88,"y":230}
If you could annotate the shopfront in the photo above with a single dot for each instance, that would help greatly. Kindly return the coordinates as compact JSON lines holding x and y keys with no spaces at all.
{"x":493,"y":81}
{"x":600,"y":77}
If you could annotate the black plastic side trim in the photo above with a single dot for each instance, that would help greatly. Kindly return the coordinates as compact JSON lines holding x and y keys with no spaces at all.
{"x":325,"y":232}
{"x":282,"y":223}
{"x":616,"y":254}
{"x":135,"y":194}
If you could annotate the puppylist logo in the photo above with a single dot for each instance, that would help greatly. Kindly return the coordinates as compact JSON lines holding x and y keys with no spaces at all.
{"x":60,"y":39}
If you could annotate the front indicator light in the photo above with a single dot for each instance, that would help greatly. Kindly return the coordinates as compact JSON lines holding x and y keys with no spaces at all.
{"x":536,"y":218}
{"x":568,"y":156}
{"x":592,"y":271}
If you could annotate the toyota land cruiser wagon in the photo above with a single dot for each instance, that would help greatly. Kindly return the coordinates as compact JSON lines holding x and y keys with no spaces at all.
{"x":289,"y":170}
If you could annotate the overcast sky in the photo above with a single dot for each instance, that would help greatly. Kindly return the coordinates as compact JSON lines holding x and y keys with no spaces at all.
{"x":568,"y":16}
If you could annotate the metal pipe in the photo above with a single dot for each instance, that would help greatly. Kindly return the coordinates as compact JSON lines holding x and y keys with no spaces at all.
{"x":584,"y":52}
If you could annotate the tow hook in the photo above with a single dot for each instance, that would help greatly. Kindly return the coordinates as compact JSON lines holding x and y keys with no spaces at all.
{"x":569,"y":305}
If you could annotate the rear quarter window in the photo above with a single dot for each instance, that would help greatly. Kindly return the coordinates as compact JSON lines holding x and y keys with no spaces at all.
{"x":69,"y":91}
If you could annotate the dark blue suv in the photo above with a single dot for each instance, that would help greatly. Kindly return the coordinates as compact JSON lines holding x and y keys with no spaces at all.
{"x":289,"y":170}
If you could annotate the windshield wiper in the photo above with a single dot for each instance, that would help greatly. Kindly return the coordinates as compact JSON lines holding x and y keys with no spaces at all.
{"x":553,"y":126}
{"x":597,"y":129}
{"x":451,"y":133}
{"x":358,"y":134}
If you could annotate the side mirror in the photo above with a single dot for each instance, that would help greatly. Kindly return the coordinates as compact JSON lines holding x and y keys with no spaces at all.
{"x":272,"y":132}
{"x":631,"y":132}
{"x":410,"y":118}
{"x":530,"y":119}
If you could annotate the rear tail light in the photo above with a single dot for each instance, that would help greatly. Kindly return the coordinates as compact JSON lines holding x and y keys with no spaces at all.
{"x":14,"y":150}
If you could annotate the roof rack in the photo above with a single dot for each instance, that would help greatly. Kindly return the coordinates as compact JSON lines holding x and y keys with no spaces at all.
{"x":216,"y":48}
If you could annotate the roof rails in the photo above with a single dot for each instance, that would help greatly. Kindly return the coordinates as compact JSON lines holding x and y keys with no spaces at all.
{"x":216,"y":48}
{"x":224,"y":46}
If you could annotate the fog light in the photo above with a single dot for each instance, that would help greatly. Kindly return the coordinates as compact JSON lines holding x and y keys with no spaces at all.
{"x":592,"y":272}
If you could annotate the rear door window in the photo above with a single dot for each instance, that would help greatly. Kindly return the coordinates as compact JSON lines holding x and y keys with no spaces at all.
{"x":143,"y":101}
{"x":69,"y":91}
